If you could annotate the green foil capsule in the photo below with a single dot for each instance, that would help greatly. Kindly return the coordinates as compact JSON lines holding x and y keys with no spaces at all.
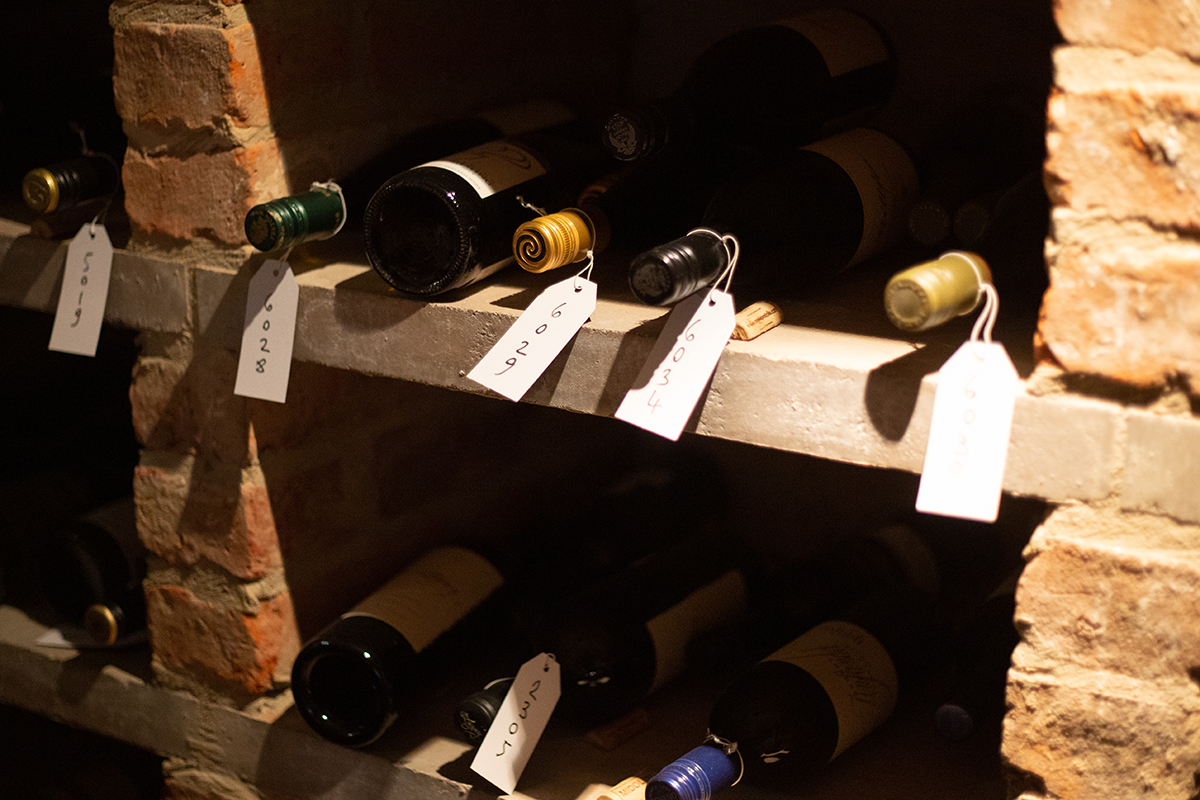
{"x":928,"y":294}
{"x":317,"y":214}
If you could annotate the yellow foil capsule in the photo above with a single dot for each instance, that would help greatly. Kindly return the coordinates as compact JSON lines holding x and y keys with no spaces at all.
{"x":928,"y":294}
{"x":554,"y":240}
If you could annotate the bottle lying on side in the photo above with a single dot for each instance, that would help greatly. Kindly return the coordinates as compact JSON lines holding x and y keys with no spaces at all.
{"x":357,"y":676}
{"x":806,"y":703}
{"x":91,"y":572}
{"x":318,"y":213}
{"x":801,"y":218}
{"x":448,"y":223}
{"x":700,"y":601}
{"x":767,"y":88}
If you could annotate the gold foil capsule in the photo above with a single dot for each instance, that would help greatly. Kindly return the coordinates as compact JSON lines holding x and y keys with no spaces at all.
{"x":554,"y":240}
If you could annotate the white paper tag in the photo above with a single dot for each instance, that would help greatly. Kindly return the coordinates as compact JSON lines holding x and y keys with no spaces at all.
{"x":266,"y":358}
{"x":526,"y":349}
{"x":84,"y":292}
{"x":518,"y":726}
{"x":969,"y":432}
{"x":680,"y":364}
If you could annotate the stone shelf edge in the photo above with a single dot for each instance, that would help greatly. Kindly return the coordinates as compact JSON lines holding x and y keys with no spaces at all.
{"x":88,"y":690}
{"x":846,"y":397}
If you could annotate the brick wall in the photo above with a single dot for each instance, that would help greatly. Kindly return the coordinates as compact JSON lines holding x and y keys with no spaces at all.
{"x":1124,"y":176}
{"x":1104,"y":690}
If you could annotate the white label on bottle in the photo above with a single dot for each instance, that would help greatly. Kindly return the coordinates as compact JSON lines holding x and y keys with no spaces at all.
{"x":720,"y":603}
{"x":854,"y":669}
{"x":432,"y":594}
{"x":969,"y":432}
{"x":519,"y":724}
{"x":885,"y":178}
{"x":265,"y":363}
{"x":84,"y":294}
{"x":847,"y":41}
{"x":680,"y":364}
{"x":492,"y":167}
{"x":526,"y":349}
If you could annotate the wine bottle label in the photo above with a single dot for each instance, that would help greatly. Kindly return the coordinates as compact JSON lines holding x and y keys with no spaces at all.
{"x":853,"y":668}
{"x":433,"y":593}
{"x":885,"y":178}
{"x":847,"y":41}
{"x":493,"y":167}
{"x":719,"y":603}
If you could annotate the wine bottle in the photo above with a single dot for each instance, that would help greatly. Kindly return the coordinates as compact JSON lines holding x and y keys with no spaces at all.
{"x":351,"y":681}
{"x":91,"y":572}
{"x":448,"y":223}
{"x":806,"y":703}
{"x":801,"y":218}
{"x":982,"y":655}
{"x":770,"y":87}
{"x":627,"y":636}
{"x":354,"y":679}
{"x":632,"y":208}
{"x":994,"y":139}
{"x":318,"y":213}
{"x":928,"y":294}
{"x":65,"y":184}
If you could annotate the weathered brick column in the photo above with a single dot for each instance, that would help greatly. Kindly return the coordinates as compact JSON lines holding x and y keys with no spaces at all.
{"x":1104,"y":691}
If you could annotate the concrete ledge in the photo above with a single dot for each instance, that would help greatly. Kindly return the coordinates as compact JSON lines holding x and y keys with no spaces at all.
{"x":828,"y":391}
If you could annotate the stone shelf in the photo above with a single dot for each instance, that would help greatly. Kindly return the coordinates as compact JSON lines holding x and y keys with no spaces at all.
{"x":835,"y":382}
{"x":112,"y":693}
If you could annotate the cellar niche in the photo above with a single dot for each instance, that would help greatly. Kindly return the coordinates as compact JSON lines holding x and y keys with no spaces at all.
{"x":265,"y":521}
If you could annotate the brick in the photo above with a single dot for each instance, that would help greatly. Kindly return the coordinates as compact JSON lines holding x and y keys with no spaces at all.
{"x":1124,"y":300}
{"x":1135,"y":25}
{"x":1120,"y":128}
{"x":185,"y":403}
{"x":1095,"y":736}
{"x":203,"y":196}
{"x":1162,"y":465}
{"x":191,"y":510}
{"x":241,"y":655}
{"x":189,"y":77}
{"x":1112,"y":593}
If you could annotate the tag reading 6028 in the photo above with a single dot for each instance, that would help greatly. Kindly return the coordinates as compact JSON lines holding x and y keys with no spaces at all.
{"x":268,"y":334}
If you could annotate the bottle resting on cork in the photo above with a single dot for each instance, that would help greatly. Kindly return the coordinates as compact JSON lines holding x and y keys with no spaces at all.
{"x":801,"y":218}
{"x":448,"y":223}
{"x":318,"y":213}
{"x":763,"y":89}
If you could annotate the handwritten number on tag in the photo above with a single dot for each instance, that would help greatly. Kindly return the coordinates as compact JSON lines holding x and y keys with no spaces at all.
{"x":264,"y":365}
{"x":519,"y":723}
{"x":84,"y":295}
{"x":526,"y":349}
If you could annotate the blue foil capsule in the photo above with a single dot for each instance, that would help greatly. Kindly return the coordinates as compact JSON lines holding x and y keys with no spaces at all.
{"x":697,"y":775}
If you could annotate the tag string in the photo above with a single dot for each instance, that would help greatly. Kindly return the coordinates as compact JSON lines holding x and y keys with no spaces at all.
{"x":332,"y":187}
{"x":87,"y":151}
{"x":591,"y":262}
{"x":987,"y":318}
{"x":541,"y":212}
{"x":730,"y":749}
{"x":732,"y":252}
